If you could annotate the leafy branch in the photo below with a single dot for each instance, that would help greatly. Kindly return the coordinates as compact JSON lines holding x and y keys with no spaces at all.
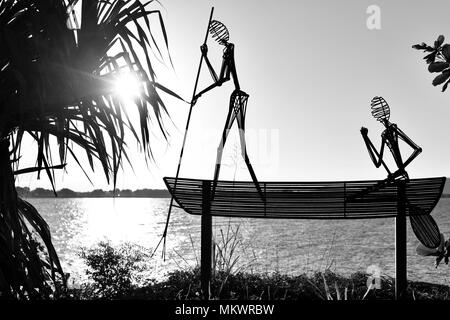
{"x":438,"y":60}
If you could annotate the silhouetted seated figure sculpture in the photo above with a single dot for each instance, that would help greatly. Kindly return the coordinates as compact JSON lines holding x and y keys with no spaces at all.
{"x":238,"y":99}
{"x":424,"y":226}
{"x":389,"y":137}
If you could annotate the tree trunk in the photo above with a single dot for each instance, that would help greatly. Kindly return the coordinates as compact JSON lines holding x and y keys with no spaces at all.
{"x":10,"y":236}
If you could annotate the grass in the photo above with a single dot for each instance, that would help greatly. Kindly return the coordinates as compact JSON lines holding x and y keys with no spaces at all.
{"x":113,"y":271}
{"x":185,"y":285}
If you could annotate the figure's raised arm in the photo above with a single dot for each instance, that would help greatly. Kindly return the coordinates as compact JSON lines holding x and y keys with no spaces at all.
{"x":220,"y":33}
{"x":375,"y":156}
{"x":217,"y":81}
{"x":204,"y":50}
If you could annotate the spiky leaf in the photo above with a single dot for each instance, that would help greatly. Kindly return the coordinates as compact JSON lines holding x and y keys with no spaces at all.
{"x":55,"y":85}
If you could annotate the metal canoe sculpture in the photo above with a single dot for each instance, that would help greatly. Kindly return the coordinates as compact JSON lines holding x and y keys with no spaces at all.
{"x":395,"y":197}
{"x":308,"y":200}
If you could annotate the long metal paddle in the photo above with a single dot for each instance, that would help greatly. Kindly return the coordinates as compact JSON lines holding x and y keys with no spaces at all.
{"x":164,"y":236}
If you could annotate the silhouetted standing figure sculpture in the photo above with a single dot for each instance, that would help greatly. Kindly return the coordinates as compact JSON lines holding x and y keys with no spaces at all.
{"x":424,"y":226}
{"x":238,"y":99}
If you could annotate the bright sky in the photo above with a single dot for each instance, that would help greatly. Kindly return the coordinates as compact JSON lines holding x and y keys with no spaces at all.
{"x":311,"y":69}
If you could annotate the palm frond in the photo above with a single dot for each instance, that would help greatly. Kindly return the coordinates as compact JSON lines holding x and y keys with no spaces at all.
{"x":59,"y":84}
{"x":63,"y":84}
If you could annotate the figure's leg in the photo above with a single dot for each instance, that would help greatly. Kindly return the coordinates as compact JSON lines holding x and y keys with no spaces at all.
{"x":229,"y":122}
{"x":424,"y":227}
{"x":241,"y":105}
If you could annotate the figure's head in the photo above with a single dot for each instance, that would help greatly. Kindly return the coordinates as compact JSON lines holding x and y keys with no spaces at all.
{"x":219,"y":32}
{"x":380,"y":109}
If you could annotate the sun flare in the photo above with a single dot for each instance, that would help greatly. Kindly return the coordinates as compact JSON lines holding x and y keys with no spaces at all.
{"x":128,"y":87}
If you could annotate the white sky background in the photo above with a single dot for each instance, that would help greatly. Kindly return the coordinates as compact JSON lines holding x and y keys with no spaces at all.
{"x":311,"y":69}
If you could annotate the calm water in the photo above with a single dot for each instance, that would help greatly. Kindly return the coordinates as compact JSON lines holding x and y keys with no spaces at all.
{"x":287,"y":246}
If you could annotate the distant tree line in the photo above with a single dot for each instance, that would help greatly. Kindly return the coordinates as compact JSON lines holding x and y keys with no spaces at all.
{"x":97,"y":193}
{"x":25,"y":192}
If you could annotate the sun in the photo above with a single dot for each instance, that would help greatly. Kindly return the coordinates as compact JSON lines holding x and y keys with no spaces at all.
{"x":127,"y":87}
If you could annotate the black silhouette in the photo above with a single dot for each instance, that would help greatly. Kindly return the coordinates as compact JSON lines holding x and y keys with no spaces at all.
{"x":307,"y":200}
{"x":59,"y":90}
{"x":238,"y":99}
{"x":424,"y":226}
{"x":397,"y":196}
{"x":438,"y":60}
{"x":390,"y":136}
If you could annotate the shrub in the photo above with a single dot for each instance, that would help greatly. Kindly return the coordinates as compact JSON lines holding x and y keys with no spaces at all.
{"x":115,"y":271}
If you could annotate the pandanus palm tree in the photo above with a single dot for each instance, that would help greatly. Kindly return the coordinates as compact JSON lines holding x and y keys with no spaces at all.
{"x":59,"y":61}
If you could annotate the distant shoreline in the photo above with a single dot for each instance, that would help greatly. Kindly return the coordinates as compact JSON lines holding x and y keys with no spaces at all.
{"x":95,"y":197}
{"x":25,"y":192}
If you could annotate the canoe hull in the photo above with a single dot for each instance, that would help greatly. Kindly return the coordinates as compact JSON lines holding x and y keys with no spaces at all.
{"x":308,"y":200}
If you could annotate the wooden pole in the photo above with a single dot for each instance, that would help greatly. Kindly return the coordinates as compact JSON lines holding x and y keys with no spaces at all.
{"x":400,"y":243}
{"x":206,"y":240}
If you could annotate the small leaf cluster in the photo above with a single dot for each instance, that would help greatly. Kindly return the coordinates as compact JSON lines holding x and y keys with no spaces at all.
{"x":438,"y":60}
